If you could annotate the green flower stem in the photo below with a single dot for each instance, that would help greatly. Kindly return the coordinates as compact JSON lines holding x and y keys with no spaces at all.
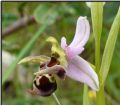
{"x":27,"y":49}
{"x":97,"y":18}
{"x":100,"y":99}
{"x":97,"y":55}
{"x":85,"y":96}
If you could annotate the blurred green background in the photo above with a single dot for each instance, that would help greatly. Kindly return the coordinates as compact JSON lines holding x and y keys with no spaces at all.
{"x":53,"y":19}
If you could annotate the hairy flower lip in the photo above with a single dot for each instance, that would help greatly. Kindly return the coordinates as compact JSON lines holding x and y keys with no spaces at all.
{"x":43,"y":86}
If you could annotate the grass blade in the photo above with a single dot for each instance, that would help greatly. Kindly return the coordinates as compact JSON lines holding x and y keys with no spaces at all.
{"x":109,"y":47}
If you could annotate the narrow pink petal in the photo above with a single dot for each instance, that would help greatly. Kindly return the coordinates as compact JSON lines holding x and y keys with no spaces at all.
{"x":63,"y":42}
{"x":82,"y":32}
{"x":80,"y":70}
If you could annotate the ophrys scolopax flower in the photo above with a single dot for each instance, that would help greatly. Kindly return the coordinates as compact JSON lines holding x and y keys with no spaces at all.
{"x":64,"y":61}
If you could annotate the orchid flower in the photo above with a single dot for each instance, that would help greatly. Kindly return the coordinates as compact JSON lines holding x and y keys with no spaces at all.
{"x":75,"y":67}
{"x":79,"y":69}
{"x":64,"y":61}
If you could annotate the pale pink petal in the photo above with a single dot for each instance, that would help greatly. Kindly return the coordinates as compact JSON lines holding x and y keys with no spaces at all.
{"x":82,"y":32}
{"x":71,"y":52}
{"x":63,"y":42}
{"x":79,"y":70}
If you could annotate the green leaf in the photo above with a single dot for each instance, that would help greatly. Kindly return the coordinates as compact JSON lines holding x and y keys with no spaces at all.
{"x":43,"y":14}
{"x":35,"y":59}
{"x":109,"y":47}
